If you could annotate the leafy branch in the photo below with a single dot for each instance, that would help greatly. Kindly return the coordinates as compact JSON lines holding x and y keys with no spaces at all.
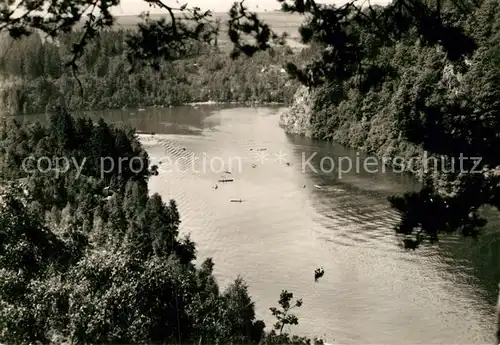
{"x":283,"y":316}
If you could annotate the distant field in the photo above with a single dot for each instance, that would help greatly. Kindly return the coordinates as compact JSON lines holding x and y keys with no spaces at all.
{"x":279,"y":22}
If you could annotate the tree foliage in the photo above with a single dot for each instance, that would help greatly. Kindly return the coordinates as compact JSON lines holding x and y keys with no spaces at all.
{"x":285,"y":319}
{"x":283,"y":316}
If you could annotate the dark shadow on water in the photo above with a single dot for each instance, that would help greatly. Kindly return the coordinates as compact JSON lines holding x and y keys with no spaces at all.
{"x":474,"y":263}
{"x":352,"y":170}
{"x":182,"y":120}
{"x":481,"y":256}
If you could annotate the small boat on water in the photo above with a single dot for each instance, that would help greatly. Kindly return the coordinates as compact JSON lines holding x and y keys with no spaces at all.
{"x":318,"y":186}
{"x":236,"y":200}
{"x":318,"y":273}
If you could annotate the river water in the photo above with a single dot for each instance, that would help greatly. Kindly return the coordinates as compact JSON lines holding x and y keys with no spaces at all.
{"x":373,"y":291}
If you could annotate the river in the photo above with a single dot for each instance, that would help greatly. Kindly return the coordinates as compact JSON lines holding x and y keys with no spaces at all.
{"x":373,"y":291}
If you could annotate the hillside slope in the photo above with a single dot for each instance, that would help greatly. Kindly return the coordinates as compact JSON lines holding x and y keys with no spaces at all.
{"x":387,"y":120}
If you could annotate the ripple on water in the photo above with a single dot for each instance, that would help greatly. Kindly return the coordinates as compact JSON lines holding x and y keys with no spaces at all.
{"x":196,"y":213}
{"x":356,"y":221}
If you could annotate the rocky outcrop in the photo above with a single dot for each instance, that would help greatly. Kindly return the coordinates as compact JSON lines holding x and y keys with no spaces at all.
{"x":296,"y":119}
{"x":376,"y":136}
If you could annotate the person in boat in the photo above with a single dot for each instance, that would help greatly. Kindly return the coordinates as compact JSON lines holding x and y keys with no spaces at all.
{"x":318,"y":273}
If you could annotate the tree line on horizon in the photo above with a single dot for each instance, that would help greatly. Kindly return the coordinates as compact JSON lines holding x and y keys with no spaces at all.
{"x":35,"y":79}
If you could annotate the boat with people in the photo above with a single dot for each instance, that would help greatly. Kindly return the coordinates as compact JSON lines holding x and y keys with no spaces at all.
{"x":318,"y":273}
{"x":236,"y":200}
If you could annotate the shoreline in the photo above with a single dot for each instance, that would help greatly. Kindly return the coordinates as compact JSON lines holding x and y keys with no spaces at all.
{"x":234,"y":102}
{"x":155,"y":106}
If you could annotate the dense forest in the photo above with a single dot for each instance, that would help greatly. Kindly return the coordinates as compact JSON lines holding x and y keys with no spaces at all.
{"x":94,"y":258}
{"x":417,"y":74}
{"x":406,"y":98}
{"x":35,"y":78}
